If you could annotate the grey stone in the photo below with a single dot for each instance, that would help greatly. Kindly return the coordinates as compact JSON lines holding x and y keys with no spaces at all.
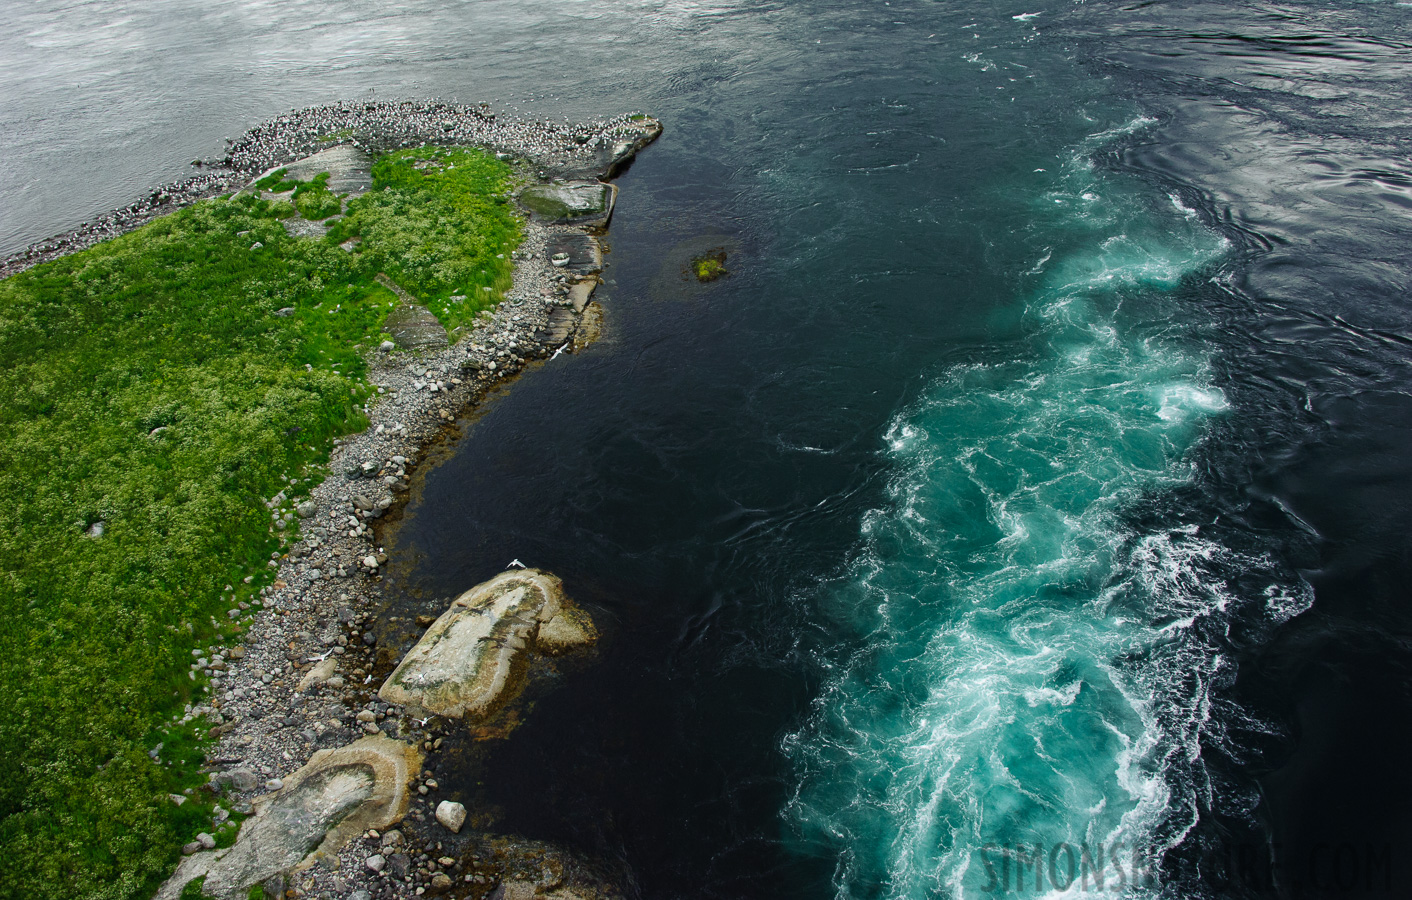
{"x":413,"y":327}
{"x":451,"y":815}
{"x":190,"y":848}
{"x":206,"y":841}
{"x":306,"y":509}
{"x":377,"y":862}
{"x":336,"y":796}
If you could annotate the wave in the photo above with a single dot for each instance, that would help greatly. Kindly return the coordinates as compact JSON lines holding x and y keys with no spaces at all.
{"x":1035,"y":669}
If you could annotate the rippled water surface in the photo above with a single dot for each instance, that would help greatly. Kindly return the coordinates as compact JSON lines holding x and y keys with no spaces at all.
{"x":1037,"y":478}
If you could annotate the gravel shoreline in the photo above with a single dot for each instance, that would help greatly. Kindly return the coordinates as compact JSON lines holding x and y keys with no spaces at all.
{"x":305,"y":675}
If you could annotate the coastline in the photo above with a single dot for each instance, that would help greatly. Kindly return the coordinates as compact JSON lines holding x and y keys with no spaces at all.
{"x":303,"y":676}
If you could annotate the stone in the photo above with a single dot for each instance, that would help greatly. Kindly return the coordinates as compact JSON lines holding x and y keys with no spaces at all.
{"x":413,"y":327}
{"x":451,"y":815}
{"x":306,"y":509}
{"x":285,"y":311}
{"x":337,"y":796}
{"x":387,"y":346}
{"x":569,"y":630}
{"x":440,"y":881}
{"x":572,"y":202}
{"x":377,"y":862}
{"x":469,"y":660}
{"x":370,"y":562}
{"x":188,"y":849}
{"x":360,"y":895}
{"x":240,"y":779}
{"x":584,"y":255}
{"x":206,"y":841}
{"x":318,"y":674}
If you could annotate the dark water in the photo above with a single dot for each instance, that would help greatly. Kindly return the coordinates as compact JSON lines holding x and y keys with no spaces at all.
{"x":1036,"y":479}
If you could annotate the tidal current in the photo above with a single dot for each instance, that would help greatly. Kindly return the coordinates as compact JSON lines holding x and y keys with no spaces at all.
{"x":1028,"y":503}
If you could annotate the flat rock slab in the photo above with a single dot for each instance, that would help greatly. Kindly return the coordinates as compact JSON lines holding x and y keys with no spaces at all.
{"x":470,"y":659}
{"x":334,"y":798}
{"x":350,"y":170}
{"x":584,"y":252}
{"x":413,"y":327}
{"x":571,"y":202}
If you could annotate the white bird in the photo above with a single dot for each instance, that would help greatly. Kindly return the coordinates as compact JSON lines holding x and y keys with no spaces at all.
{"x":319,"y":658}
{"x":560,"y":350}
{"x":517,"y":564}
{"x":422,"y":723}
{"x":366,"y":680}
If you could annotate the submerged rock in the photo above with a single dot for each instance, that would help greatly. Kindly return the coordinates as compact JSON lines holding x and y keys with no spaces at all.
{"x":335,"y":797}
{"x":469,"y":660}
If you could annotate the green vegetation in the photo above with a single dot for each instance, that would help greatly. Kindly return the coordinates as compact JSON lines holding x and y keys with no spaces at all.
{"x":710,"y":266}
{"x":315,"y":201}
{"x":154,"y":390}
{"x":439,"y":223}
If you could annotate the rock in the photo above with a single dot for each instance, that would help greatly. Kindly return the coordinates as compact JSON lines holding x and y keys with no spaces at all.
{"x":188,"y":849}
{"x":306,"y":509}
{"x":318,"y":674}
{"x":387,"y":346}
{"x":366,"y":715}
{"x":240,"y":779}
{"x":451,"y":815}
{"x":413,"y":326}
{"x":237,"y":652}
{"x":336,"y":796}
{"x":285,"y":311}
{"x":370,"y":562}
{"x":440,"y":881}
{"x":399,"y":864}
{"x":369,"y":638}
{"x":576,"y":202}
{"x":274,"y":784}
{"x":377,"y":862}
{"x":360,"y":895}
{"x":514,"y":890}
{"x":392,"y":838}
{"x":177,"y":799}
{"x":362,"y":502}
{"x":569,"y":630}
{"x":469,"y":658}
{"x":206,"y":841}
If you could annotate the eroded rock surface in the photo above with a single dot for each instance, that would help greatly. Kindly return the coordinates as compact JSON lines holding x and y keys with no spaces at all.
{"x":572,"y":202}
{"x":335,"y":797}
{"x":468,"y":660}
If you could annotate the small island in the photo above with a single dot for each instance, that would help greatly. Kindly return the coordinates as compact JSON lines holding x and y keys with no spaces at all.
{"x":214,"y":396}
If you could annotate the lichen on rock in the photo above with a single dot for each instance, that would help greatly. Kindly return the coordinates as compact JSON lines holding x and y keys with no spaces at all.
{"x":469,"y":661}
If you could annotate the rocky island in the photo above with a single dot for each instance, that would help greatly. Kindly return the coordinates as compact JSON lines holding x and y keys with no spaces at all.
{"x":298,"y":761}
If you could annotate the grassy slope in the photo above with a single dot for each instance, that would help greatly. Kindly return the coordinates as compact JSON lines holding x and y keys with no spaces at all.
{"x":172,"y":327}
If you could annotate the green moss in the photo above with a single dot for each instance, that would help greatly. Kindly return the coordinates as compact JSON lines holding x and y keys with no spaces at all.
{"x":710,"y":266}
{"x":146,"y":383}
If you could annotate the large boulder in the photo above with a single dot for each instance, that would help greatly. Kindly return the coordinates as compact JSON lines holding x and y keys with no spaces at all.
{"x":336,"y":796}
{"x":470,"y":659}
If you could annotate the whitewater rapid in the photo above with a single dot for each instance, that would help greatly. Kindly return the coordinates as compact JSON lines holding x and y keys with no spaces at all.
{"x":1025,"y":704}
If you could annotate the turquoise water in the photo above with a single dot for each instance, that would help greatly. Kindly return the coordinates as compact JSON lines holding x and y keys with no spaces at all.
{"x":1034,"y":669}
